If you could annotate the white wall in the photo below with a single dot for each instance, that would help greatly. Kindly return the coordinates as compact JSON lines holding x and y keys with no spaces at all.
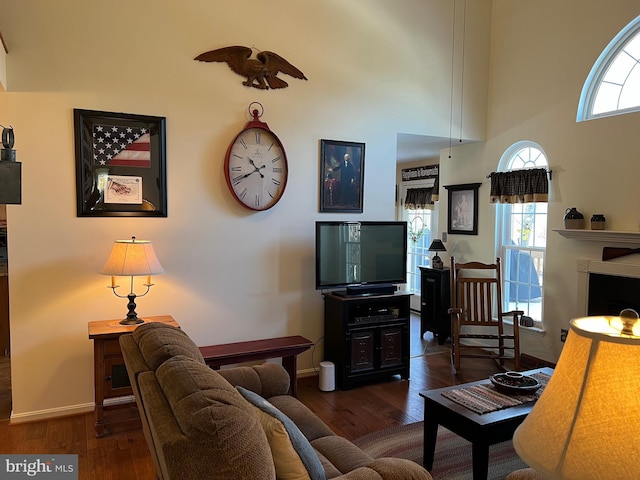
{"x":3,"y":69}
{"x":541,"y":54}
{"x":375,"y":69}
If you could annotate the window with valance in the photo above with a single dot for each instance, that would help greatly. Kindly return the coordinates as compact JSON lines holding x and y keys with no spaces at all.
{"x":520,"y":191}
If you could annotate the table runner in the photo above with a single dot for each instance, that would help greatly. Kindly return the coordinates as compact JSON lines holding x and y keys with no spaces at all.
{"x":485,"y":398}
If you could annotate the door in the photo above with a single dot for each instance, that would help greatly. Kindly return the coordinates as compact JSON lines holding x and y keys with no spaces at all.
{"x":362,"y":350}
{"x":422,"y":227}
{"x":391,"y":347}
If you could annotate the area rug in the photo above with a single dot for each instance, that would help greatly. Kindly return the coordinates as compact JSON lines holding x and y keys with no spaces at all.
{"x":452,"y":458}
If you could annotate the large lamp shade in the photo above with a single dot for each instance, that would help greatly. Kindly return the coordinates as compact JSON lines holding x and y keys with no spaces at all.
{"x":132,"y":257}
{"x":586,"y":424}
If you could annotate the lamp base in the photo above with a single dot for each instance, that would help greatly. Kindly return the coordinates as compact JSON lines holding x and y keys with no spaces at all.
{"x":132,"y":316}
{"x":436,"y":262}
{"x":131,"y":321}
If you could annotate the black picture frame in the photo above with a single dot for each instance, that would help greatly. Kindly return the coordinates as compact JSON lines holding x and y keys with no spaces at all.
{"x":124,"y":178}
{"x":336,"y":195}
{"x":462,"y":217}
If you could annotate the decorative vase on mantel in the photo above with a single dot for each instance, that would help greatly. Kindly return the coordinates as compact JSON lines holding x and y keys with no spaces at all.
{"x":573,"y":218}
{"x":598,"y":221}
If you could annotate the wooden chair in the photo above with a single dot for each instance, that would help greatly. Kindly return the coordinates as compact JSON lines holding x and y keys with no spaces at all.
{"x":476,"y":305}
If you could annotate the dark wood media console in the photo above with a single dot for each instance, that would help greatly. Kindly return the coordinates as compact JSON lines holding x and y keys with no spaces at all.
{"x":367,"y":337}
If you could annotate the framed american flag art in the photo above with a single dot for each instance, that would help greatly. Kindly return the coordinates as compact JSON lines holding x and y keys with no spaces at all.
{"x":120,"y":164}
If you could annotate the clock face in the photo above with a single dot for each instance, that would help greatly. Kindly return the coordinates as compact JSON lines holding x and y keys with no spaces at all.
{"x":256,"y":168}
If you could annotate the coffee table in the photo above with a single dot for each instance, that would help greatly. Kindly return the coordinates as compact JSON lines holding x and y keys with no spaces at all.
{"x":481,"y":430}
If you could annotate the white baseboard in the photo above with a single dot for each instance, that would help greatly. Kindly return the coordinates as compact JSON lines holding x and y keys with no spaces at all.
{"x":50,"y":413}
{"x":66,"y":411}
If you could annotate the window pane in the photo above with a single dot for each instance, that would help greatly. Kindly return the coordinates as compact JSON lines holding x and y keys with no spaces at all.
{"x":619,"y":69}
{"x":630,"y":95}
{"x":633,"y":47}
{"x":607,"y":98}
{"x":419,"y":231}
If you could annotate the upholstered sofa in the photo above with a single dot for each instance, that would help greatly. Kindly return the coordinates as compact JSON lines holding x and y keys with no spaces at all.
{"x":526,"y":474}
{"x":205,"y":424}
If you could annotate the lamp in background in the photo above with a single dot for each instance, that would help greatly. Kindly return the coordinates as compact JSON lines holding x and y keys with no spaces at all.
{"x":437,"y":246}
{"x":132,"y":258}
{"x":586,"y":423}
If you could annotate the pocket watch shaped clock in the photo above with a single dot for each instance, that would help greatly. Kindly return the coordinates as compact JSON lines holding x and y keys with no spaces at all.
{"x":256,"y":166}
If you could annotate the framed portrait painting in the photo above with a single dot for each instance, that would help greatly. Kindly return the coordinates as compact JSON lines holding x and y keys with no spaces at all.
{"x":341,"y":176}
{"x":462,"y":217}
{"x":120,"y":164}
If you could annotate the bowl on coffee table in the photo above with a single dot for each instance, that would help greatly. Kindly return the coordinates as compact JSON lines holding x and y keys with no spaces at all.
{"x":515,"y":383}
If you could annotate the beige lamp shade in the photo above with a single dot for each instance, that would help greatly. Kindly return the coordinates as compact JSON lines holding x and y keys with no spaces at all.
{"x":132,"y":258}
{"x":586,"y":424}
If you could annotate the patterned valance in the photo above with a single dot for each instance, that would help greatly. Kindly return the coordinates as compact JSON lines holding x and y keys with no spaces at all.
{"x":421,"y":198}
{"x":519,"y":186}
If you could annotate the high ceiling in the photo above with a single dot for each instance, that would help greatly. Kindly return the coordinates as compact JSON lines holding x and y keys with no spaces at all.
{"x":413,"y":148}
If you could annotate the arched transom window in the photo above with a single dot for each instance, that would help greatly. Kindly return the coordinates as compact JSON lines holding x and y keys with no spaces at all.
{"x":613,"y":86}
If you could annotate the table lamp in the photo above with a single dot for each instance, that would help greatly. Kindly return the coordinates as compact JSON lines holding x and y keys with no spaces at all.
{"x":437,"y":246}
{"x":132,"y":258}
{"x":586,"y":424}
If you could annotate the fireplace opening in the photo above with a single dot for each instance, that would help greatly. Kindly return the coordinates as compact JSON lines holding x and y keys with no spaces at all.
{"x":610,"y":294}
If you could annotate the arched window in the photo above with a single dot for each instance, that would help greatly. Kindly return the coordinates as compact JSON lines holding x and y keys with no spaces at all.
{"x":613,"y":85}
{"x":522,"y":237}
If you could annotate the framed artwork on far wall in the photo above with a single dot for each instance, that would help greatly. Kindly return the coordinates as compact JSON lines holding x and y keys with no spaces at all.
{"x":120,"y":164}
{"x":341,"y":176}
{"x":462,"y":218}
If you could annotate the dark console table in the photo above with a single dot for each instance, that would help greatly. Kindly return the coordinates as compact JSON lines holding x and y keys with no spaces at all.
{"x":367,"y":336}
{"x":286,"y":347}
{"x":435,"y":301}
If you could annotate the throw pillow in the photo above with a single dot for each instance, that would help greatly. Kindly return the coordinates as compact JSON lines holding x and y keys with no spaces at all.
{"x":293,"y":455}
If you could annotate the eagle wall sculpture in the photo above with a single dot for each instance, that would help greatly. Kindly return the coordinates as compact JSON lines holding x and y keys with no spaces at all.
{"x":260,"y":72}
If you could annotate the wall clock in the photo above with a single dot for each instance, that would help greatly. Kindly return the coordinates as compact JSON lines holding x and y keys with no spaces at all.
{"x":256,"y":166}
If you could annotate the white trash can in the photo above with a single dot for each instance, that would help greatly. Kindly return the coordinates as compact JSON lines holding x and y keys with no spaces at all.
{"x":327,"y":376}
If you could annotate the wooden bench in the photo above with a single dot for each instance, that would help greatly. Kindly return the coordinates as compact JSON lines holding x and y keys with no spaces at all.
{"x":286,"y":348}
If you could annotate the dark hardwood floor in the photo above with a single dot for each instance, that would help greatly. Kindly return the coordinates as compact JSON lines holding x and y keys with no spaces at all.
{"x":356,"y":412}
{"x":124,"y":455}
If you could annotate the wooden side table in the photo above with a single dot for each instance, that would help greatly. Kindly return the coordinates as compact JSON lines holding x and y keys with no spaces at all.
{"x":435,"y":299}
{"x":111,"y":379}
{"x":286,"y":347}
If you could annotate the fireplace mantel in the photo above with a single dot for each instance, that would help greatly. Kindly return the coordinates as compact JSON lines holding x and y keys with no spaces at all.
{"x":614,"y":236}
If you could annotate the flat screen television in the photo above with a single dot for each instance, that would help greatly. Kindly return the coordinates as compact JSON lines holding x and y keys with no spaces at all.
{"x":363,"y":257}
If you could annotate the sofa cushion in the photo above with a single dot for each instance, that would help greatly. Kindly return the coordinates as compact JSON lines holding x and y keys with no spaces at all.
{"x":266,"y":379}
{"x":293,"y":455}
{"x":343,"y":455}
{"x":308,"y":422}
{"x":158,"y":342}
{"x":212,"y":413}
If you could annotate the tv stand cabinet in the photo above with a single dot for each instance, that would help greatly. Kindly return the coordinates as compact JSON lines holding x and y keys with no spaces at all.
{"x":367,"y":337}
